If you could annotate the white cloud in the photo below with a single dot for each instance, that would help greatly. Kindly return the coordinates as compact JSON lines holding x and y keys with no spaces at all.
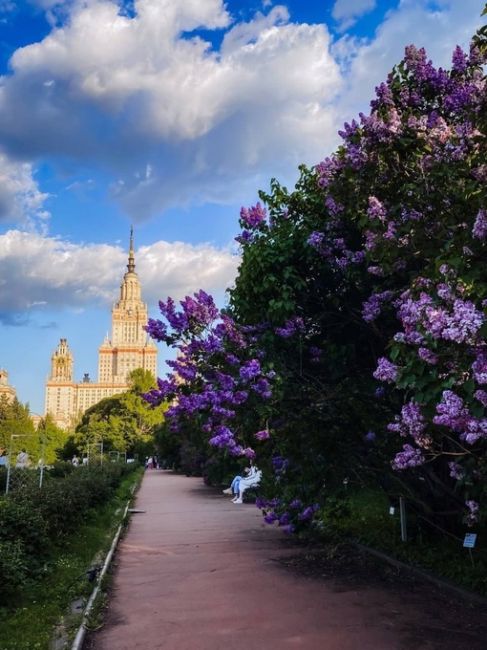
{"x":21,"y":201}
{"x":41,"y":272}
{"x":174,"y":121}
{"x":347,"y":11}
{"x":144,"y":92}
{"x":437,"y":27}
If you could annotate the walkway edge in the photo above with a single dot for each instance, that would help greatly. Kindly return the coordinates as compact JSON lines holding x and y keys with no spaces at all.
{"x":80,"y":635}
{"x":422,"y":573}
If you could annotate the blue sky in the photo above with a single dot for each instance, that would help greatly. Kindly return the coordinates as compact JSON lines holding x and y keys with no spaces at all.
{"x":169,"y":115}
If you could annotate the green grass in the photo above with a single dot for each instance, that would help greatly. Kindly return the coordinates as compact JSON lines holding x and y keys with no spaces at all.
{"x":364,"y":517}
{"x":45,"y":602}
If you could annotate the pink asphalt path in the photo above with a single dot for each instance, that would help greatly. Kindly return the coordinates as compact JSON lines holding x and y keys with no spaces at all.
{"x":196,"y":572}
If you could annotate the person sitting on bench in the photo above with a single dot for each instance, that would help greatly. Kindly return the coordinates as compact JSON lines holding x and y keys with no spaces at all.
{"x":251,"y":480}
{"x":233,"y":489}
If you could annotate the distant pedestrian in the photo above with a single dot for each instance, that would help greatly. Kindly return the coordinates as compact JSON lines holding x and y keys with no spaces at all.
{"x":22,"y":460}
{"x":75,"y":461}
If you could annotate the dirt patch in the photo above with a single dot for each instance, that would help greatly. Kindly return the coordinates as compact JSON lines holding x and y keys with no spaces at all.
{"x":428,"y":617}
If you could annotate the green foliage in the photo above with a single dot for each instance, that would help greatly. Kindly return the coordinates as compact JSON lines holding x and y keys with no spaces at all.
{"x":124,"y":422}
{"x":34,"y":520}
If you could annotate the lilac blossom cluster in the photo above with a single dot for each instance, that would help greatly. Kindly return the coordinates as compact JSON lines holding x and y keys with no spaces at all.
{"x":441,"y":343}
{"x":215,"y":373}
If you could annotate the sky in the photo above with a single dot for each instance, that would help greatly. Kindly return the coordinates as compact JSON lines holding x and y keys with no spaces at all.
{"x":169,"y":115}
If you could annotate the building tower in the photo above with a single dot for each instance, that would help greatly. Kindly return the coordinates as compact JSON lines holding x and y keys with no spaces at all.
{"x":60,"y":396}
{"x":5,"y":388}
{"x":128,"y":349}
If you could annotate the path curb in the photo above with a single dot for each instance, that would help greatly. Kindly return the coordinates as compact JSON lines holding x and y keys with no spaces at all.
{"x":422,"y":573}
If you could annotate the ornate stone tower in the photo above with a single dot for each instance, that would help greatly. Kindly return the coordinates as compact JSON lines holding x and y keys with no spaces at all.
{"x":60,"y":390}
{"x":5,"y":388}
{"x":129,"y":348}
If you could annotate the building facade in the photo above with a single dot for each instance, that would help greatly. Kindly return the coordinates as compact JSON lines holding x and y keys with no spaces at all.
{"x":128,"y":349}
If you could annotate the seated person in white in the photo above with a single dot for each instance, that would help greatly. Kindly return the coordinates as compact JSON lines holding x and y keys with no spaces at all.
{"x":251,"y":480}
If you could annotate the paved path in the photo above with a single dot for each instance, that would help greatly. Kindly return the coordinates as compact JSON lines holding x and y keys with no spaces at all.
{"x":196,"y":572}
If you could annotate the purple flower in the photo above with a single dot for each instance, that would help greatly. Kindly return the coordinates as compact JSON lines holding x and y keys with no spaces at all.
{"x":479,"y":367}
{"x":370,"y":436}
{"x":270,"y":517}
{"x":376,"y":209}
{"x":427,"y":355}
{"x":481,"y":396}
{"x":316,"y":239}
{"x":473,"y":509}
{"x":262,"y":435}
{"x":408,"y":458}
{"x":372,"y":307}
{"x":250,"y":370}
{"x":456,"y":471}
{"x":386,"y":371}
{"x":480,"y":226}
{"x":253,"y":217}
{"x":459,"y":60}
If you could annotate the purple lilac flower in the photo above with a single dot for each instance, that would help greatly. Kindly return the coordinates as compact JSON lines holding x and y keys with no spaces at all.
{"x":296,"y":504}
{"x":386,"y":371}
{"x":411,"y":423}
{"x":270,"y":517}
{"x":370,"y":436}
{"x":284,"y":519}
{"x":463,"y":323}
{"x":428,"y":356}
{"x":456,"y":471}
{"x":473,"y":509}
{"x":372,"y":307}
{"x":376,"y":209}
{"x":250,"y":370}
{"x":291,"y":327}
{"x":315,"y":353}
{"x":459,"y":60}
{"x":451,"y":412}
{"x":289,"y":529}
{"x":316,"y":239}
{"x":408,"y":458}
{"x":245,"y":237}
{"x":262,"y":435}
{"x":253,"y":217}
{"x":379,"y":392}
{"x":248,"y":452}
{"x":156,"y":329}
{"x":480,"y":226}
{"x":481,"y":396}
{"x":375,"y":270}
{"x":371,"y":239}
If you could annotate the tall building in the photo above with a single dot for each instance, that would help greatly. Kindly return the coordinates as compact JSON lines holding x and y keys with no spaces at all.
{"x":5,"y":388}
{"x":129,"y":348}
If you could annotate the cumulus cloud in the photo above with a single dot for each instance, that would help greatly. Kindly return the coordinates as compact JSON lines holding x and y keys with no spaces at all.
{"x":40,"y":272}
{"x":347,"y":11}
{"x":129,"y":92}
{"x":437,"y":27}
{"x":21,"y":201}
{"x":175,"y":121}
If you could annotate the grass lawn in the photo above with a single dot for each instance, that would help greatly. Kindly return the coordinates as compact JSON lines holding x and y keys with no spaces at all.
{"x":45,"y":602}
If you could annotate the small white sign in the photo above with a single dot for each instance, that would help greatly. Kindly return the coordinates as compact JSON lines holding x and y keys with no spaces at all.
{"x":392,"y":510}
{"x":470,"y":540}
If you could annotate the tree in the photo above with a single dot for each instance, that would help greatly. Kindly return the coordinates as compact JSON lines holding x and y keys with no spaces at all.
{"x":123,"y":422}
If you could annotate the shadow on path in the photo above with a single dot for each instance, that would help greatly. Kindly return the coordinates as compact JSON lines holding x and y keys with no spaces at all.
{"x":196,"y":572}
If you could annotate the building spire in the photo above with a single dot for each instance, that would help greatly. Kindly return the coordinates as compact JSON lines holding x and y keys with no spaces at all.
{"x":131,"y":264}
